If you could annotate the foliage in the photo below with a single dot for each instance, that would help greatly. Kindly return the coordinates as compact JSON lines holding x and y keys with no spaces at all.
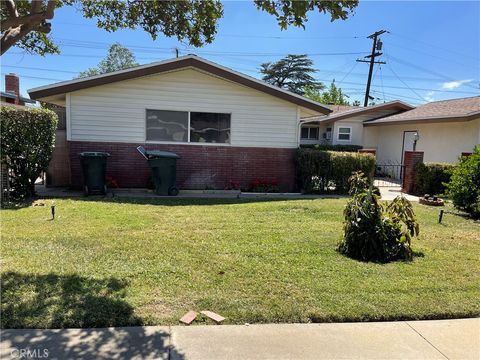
{"x":264,"y":186}
{"x":293,"y":73}
{"x":359,"y":182}
{"x":189,"y":21}
{"x":333,"y":96}
{"x":336,"y":147}
{"x":430,"y":178}
{"x":464,"y":185}
{"x":295,"y":12}
{"x":374,"y":232}
{"x":27,"y":138}
{"x":118,"y":58}
{"x":328,"y":171}
{"x":153,"y":247}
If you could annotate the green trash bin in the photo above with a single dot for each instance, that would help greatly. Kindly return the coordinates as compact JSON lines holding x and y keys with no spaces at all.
{"x":164,"y":171}
{"x":94,"y":167}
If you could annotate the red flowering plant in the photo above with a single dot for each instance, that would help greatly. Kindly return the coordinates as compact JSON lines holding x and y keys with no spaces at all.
{"x":264,"y":185}
{"x":111,"y":182}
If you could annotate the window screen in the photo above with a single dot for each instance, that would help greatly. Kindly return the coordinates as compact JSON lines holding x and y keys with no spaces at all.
{"x":163,"y":125}
{"x":209,"y":127}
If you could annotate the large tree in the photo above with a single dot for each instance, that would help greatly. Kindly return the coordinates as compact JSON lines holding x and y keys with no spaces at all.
{"x":333,"y":96}
{"x":118,"y":58}
{"x":293,"y":72}
{"x":25,"y":23}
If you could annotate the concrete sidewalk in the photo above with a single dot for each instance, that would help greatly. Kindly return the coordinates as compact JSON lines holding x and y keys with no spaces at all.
{"x":440,"y":339}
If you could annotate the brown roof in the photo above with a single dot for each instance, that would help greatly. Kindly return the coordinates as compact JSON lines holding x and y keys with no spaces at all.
{"x":175,"y":64}
{"x":340,"y":112}
{"x":447,"y":110}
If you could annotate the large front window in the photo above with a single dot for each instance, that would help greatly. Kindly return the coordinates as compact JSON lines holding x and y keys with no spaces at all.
{"x":165,"y":125}
{"x":209,"y":127}
{"x":184,"y":126}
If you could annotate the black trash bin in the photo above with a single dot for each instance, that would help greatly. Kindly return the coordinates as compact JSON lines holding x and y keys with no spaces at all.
{"x":164,"y":171}
{"x":94,"y":167}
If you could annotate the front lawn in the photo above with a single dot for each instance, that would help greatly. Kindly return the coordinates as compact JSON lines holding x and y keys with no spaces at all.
{"x":126,"y":262}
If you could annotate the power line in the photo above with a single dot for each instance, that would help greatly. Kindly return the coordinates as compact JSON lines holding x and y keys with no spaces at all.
{"x":434,"y":45}
{"x":404,"y":83}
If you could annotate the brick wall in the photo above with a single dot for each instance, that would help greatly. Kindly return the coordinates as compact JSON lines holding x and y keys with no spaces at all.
{"x":200,"y":167}
{"x":410,"y":160}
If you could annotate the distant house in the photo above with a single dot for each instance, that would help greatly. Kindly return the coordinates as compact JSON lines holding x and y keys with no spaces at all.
{"x":443,"y":130}
{"x":226,"y":126}
{"x":11,"y":95}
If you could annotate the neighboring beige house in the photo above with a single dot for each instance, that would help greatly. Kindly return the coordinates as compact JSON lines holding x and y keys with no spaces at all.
{"x":443,"y":129}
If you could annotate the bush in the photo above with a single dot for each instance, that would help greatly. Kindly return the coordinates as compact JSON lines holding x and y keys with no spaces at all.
{"x":328,"y":171}
{"x":430,"y":178}
{"x":327,"y":147}
{"x":373,"y":232}
{"x":464,"y":186}
{"x":27,"y":140}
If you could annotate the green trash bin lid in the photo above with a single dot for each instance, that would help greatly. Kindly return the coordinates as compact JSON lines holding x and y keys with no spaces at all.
{"x":154,"y":154}
{"x":94,"y":153}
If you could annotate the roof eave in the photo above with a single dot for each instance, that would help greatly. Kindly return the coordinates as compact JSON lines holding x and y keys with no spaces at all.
{"x":185,"y":62}
{"x":438,"y":119}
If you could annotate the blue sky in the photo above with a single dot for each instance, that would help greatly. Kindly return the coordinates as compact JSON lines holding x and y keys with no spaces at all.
{"x":432,"y":50}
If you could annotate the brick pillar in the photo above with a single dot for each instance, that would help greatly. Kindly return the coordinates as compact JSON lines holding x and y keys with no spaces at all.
{"x":410,"y":160}
{"x":12,"y":85}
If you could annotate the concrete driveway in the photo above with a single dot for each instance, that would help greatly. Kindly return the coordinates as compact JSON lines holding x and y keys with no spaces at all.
{"x":439,"y":339}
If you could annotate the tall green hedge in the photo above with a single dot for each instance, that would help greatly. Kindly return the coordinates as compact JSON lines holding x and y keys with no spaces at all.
{"x":328,"y":171}
{"x":27,"y":138}
{"x":336,"y":147}
{"x":464,"y":185}
{"x":430,"y":178}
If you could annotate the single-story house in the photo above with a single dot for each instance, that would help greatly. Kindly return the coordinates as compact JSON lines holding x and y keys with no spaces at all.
{"x":442,"y":130}
{"x":228,"y":128}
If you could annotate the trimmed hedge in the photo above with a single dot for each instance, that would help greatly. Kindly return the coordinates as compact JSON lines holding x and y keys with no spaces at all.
{"x":27,"y":139}
{"x":328,"y":171}
{"x":430,"y":178}
{"x":464,"y":185}
{"x":326,"y":147}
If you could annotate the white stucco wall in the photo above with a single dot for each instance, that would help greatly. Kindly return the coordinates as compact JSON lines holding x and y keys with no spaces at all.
{"x":440,"y":142}
{"x":116,"y":112}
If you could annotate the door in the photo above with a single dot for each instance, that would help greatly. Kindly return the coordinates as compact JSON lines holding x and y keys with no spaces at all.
{"x":408,"y":142}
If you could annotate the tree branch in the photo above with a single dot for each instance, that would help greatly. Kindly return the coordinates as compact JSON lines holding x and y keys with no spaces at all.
{"x":10,"y":37}
{"x":15,"y":27}
{"x":11,"y":8}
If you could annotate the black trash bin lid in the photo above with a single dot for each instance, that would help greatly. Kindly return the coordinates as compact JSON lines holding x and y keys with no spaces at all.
{"x":152,"y":154}
{"x":94,"y":153}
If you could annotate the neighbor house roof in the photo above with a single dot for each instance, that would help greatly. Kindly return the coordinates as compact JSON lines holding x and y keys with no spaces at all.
{"x":464,"y":109}
{"x":11,"y":95}
{"x":175,"y":64}
{"x":343,"y":112}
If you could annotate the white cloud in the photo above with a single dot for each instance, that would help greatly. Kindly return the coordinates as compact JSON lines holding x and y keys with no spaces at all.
{"x":430,"y":96}
{"x":450,"y":85}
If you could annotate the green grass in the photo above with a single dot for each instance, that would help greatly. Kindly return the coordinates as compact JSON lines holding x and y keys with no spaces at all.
{"x":127,"y":262}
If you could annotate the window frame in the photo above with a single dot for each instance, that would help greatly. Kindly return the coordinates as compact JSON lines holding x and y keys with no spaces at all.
{"x":188,"y":142}
{"x":310,"y":127}
{"x":349,"y":134}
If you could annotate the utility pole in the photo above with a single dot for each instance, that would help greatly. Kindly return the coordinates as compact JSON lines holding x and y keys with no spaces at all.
{"x":376,"y":47}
